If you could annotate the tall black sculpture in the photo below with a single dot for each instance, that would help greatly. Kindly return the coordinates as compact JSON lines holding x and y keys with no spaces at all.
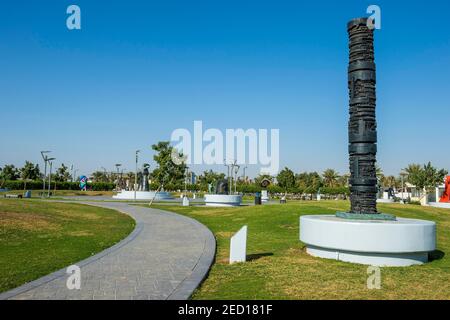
{"x":362,"y":127}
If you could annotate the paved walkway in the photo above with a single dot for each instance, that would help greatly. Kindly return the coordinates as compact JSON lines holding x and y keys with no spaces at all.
{"x":165,"y":257}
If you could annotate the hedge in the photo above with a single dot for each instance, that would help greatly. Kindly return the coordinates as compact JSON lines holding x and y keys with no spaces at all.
{"x":37,"y":185}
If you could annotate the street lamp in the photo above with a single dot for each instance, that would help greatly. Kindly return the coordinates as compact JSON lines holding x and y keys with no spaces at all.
{"x":228,"y":172}
{"x":50,"y":161}
{"x":243,"y":174}
{"x":135,"y":173}
{"x":235,"y":177}
{"x":402,"y":175}
{"x":117,"y":167}
{"x":45,"y":158}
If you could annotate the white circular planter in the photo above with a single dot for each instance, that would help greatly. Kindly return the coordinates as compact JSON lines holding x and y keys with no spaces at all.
{"x":399,"y":243}
{"x":264,"y":196}
{"x":385,"y":201}
{"x":222,"y":200}
{"x":142,"y":195}
{"x":445,"y":205}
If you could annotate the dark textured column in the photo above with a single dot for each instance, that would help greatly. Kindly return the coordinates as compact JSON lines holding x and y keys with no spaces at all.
{"x":362,"y":127}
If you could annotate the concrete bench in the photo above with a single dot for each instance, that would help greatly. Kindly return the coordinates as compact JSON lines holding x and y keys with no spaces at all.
{"x":15,"y":196}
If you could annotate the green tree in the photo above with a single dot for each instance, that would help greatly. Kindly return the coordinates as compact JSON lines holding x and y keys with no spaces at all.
{"x":168,"y":172}
{"x":308,"y":180}
{"x":10,"y":172}
{"x":330,"y":178}
{"x":100,"y":176}
{"x":286,"y":179}
{"x":389,"y":182}
{"x":343,"y":180}
{"x":30,"y":171}
{"x":425,"y":178}
{"x":62,"y":174}
{"x":208,"y":177}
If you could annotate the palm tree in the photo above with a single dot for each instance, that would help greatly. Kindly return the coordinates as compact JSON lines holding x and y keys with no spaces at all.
{"x":330,"y":178}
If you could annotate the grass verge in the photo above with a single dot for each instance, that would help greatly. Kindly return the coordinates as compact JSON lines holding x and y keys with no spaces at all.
{"x":40,"y":237}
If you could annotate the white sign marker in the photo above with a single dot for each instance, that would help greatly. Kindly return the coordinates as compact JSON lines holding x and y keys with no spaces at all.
{"x":238,"y":246}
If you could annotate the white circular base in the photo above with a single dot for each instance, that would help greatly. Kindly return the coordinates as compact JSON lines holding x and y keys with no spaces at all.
{"x":445,"y":205}
{"x":385,"y":201}
{"x":142,"y":195}
{"x":222,"y":200}
{"x":265,"y":196}
{"x":398,"y":243}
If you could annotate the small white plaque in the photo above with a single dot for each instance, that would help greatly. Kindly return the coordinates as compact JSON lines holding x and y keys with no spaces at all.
{"x":238,"y":246}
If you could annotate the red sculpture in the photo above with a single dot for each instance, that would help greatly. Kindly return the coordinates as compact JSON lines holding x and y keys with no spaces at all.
{"x":446,"y":195}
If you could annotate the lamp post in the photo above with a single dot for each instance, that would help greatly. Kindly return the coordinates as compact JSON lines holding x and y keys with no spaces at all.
{"x":186,"y":174}
{"x":117,"y":168}
{"x":228,"y":172}
{"x":75,"y":175}
{"x":45,"y":158}
{"x":235,"y":177}
{"x":402,"y":175}
{"x":243,"y":174}
{"x":50,"y":161}
{"x":135,"y":173}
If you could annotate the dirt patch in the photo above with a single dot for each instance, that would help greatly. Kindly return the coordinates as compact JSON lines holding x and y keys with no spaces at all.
{"x":80,"y":234}
{"x":26,"y":221}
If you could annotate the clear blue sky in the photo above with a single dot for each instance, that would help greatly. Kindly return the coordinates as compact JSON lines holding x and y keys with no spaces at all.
{"x":140,"y":69}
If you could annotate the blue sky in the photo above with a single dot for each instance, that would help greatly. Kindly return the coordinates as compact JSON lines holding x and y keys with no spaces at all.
{"x":140,"y":69}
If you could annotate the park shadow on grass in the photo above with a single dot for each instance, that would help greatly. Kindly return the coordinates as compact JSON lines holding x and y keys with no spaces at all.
{"x":256,"y":256}
{"x":436,"y":255}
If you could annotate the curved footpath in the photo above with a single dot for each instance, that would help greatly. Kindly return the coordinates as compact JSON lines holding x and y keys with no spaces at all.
{"x":166,"y":257}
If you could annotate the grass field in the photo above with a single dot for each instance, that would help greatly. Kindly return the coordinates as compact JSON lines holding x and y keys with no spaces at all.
{"x":37,"y":237}
{"x":279,"y":268}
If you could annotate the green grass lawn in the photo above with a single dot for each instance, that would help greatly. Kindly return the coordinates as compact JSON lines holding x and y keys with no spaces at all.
{"x":279,"y":268}
{"x":39,"y":237}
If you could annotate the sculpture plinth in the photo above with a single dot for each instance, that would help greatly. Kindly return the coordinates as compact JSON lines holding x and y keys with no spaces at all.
{"x":221,"y":198}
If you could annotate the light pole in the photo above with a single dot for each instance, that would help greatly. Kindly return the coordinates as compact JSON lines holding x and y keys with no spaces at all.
{"x":117,"y":183}
{"x":45,"y":157}
{"x":75,"y":175}
{"x":186,"y":177}
{"x":228,"y":172}
{"x":235,"y":177}
{"x":243,"y":174}
{"x":402,"y":175}
{"x":233,"y":165}
{"x":50,"y":161}
{"x":135,"y":173}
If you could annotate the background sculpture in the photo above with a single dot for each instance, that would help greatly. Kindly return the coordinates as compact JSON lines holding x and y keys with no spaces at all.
{"x":222,"y":187}
{"x":83,"y":183}
{"x":145,"y":174}
{"x":362,"y":125}
{"x":446,"y":196}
